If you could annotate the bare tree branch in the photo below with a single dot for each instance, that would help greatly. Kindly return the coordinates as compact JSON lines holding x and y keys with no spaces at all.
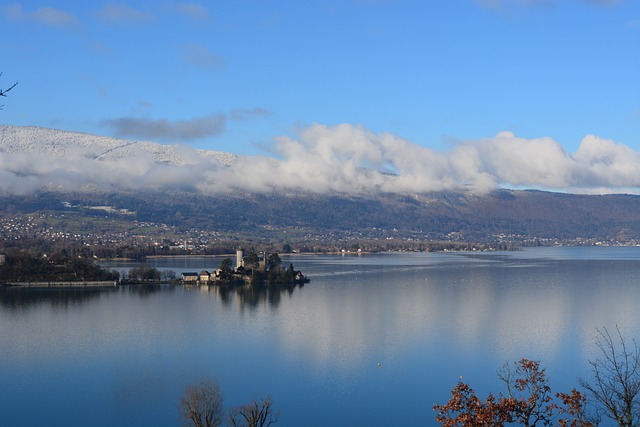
{"x":254,"y":414}
{"x":3,"y":92}
{"x":201,"y":405}
{"x":616,"y":378}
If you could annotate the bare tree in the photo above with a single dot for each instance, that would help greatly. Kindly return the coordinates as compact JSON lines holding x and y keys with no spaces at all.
{"x":3,"y":92}
{"x":201,"y":405}
{"x":254,"y":414}
{"x":616,"y":383}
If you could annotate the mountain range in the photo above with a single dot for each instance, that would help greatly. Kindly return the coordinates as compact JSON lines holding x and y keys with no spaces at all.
{"x":69,"y":174}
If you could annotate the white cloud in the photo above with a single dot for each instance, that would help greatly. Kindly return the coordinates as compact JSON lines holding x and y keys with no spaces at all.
{"x":604,"y":2}
{"x":603,"y":162}
{"x":504,"y":5}
{"x":122,"y":14}
{"x":201,"y":57}
{"x":342,"y":158}
{"x":193,"y":11}
{"x":516,"y":161}
{"x":242,"y":114}
{"x":44,"y":15}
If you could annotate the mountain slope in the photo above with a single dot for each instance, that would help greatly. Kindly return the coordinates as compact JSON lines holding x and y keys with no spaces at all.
{"x":103,"y":182}
{"x":522,"y":217}
{"x":45,"y":142}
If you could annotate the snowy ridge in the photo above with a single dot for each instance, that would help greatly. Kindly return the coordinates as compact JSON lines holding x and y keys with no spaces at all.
{"x":45,"y":142}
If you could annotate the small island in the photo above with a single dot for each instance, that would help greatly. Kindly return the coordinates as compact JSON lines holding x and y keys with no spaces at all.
{"x":251,"y":269}
{"x":24,"y":269}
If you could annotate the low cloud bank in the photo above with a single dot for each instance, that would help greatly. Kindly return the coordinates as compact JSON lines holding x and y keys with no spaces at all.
{"x":342,"y":158}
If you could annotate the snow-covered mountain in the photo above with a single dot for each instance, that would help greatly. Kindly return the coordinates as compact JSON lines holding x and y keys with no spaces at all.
{"x":311,"y":188}
{"x":55,"y":143}
{"x":318,"y":159}
{"x":34,"y":159}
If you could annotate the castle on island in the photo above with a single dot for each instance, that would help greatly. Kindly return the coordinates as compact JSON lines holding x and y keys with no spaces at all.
{"x":252,"y":269}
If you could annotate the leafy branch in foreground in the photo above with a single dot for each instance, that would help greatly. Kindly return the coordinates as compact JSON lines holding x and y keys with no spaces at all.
{"x":528,"y":401}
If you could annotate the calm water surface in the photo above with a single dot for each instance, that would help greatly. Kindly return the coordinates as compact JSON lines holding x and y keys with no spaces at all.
{"x":123,"y":356}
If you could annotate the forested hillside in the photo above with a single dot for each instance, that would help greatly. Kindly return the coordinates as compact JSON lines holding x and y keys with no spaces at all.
{"x":528,"y":217}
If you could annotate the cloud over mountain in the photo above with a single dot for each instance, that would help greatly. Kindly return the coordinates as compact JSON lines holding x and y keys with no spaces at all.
{"x":342,"y":158}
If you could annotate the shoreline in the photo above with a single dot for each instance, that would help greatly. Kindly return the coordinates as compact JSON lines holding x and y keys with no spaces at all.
{"x":63,"y":284}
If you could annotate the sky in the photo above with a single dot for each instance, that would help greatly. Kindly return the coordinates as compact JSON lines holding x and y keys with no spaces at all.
{"x":541,"y":94}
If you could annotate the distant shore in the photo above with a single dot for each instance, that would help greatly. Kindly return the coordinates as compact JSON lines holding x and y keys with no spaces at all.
{"x":233,"y":255}
{"x":63,"y":284}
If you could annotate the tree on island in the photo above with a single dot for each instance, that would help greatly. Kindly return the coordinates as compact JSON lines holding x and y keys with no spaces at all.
{"x":274,"y":262}
{"x":225,"y":268}
{"x":145,"y":274}
{"x":290,"y":273}
{"x":257,"y":274}
{"x":252,"y":260}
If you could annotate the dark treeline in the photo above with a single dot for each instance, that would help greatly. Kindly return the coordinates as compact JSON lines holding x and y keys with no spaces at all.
{"x":71,"y":248}
{"x":143,"y":274}
{"x":24,"y":266}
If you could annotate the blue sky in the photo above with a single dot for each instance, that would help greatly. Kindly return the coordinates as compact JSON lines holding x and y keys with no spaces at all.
{"x":236,"y":76}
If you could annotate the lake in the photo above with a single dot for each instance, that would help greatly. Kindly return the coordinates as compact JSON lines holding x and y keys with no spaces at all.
{"x":373,"y":340}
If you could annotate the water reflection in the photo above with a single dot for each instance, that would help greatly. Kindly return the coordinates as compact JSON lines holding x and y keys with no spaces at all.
{"x":23,"y":298}
{"x":503,"y":309}
{"x":63,"y":298}
{"x":147,"y":290}
{"x":250,"y":296}
{"x":427,"y":318}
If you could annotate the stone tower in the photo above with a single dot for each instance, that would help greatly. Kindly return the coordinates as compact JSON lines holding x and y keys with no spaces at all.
{"x":239,"y":258}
